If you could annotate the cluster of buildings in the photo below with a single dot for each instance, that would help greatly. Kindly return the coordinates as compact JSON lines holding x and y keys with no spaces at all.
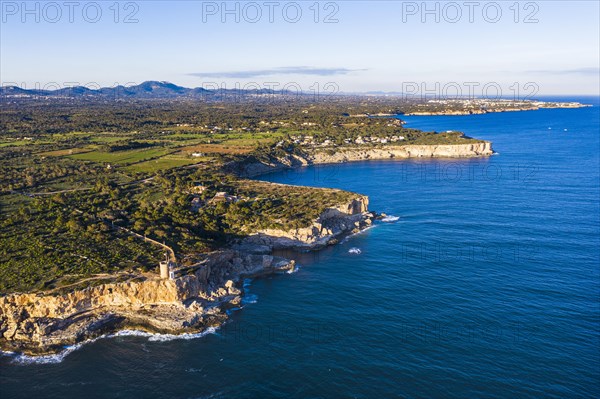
{"x":376,"y":140}
{"x":312,"y":142}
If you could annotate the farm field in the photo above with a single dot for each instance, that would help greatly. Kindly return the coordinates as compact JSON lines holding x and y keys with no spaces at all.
{"x":121,"y":157}
{"x":164,"y":163}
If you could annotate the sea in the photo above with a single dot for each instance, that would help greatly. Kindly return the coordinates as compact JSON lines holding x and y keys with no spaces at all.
{"x":482,"y":282}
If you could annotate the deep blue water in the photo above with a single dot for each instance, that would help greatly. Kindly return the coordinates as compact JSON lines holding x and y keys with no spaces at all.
{"x":487,"y":286}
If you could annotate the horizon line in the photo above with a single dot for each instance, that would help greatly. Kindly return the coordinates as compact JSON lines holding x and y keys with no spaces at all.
{"x":53,"y":86}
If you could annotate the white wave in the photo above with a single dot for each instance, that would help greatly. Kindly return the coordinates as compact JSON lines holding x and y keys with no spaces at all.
{"x":49,"y":359}
{"x":354,"y":251}
{"x":193,"y":370}
{"x":129,"y":333}
{"x":59,"y":357}
{"x":390,"y":218}
{"x":249,"y":299}
{"x":185,"y":336}
{"x":294,"y":269}
{"x":363,"y":230}
{"x":357,"y":233}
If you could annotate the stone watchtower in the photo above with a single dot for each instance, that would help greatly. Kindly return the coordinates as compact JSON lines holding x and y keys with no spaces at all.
{"x":167,"y":269}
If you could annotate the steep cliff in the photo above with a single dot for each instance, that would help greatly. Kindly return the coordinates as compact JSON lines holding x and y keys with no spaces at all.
{"x":45,"y":323}
{"x":331,"y":224}
{"x":361,"y":153}
{"x":404,"y":151}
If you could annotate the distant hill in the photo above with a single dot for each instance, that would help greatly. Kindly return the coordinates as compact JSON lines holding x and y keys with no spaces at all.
{"x":146,"y":90}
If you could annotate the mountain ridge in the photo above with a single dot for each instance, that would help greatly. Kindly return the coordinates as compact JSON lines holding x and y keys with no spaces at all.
{"x":145,"y":90}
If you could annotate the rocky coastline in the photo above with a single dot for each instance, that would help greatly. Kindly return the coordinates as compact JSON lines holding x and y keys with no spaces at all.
{"x":41,"y":324}
{"x":44,"y":323}
{"x":485,"y":106}
{"x":363,"y":153}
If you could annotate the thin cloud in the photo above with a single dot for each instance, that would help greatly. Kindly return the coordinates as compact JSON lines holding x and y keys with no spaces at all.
{"x":299,"y":70}
{"x":576,"y":71}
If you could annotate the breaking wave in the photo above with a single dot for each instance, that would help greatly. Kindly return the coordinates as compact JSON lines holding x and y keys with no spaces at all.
{"x":294,"y":269}
{"x":249,"y":299}
{"x":23,"y":359}
{"x":346,"y":238}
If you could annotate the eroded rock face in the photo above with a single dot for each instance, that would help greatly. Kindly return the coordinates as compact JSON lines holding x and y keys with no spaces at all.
{"x":405,"y":151}
{"x":259,"y":168}
{"x":332,"y":223}
{"x":40,"y":324}
{"x":45,"y":323}
{"x":350,"y":154}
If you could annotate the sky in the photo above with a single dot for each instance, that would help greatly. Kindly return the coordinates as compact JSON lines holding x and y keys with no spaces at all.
{"x":511,"y":48}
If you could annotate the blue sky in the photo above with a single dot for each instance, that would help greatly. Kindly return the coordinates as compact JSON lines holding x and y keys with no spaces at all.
{"x":551,"y":47}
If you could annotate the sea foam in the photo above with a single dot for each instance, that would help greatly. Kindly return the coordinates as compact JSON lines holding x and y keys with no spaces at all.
{"x":294,"y":269}
{"x":346,"y":238}
{"x":249,"y":299}
{"x":23,"y":359}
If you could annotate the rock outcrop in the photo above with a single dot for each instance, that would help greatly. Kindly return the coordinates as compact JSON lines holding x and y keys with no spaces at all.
{"x":45,"y":323}
{"x":405,"y":151}
{"x":361,"y":153}
{"x":331,"y":224}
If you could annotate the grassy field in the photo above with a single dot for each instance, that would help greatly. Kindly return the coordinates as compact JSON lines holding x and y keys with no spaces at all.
{"x":64,"y":152}
{"x":122,"y":157}
{"x":164,"y":163}
{"x":217,"y":149}
{"x":16,"y":143}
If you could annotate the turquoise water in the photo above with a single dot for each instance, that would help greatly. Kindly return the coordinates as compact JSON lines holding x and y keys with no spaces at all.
{"x":487,"y":285}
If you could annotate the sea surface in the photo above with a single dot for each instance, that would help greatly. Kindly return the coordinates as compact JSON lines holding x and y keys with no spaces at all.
{"x":484,"y":283}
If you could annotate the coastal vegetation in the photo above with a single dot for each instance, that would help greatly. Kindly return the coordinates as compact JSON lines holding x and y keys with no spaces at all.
{"x":75,"y":174}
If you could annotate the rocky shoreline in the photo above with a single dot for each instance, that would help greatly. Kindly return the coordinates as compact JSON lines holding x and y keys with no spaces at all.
{"x":41,"y":324}
{"x":363,"y":153}
{"x":44,"y":323}
{"x":490,"y":106}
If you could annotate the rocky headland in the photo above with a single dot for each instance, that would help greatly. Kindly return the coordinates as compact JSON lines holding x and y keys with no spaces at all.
{"x":363,"y":153}
{"x":197,"y":299}
{"x":39,"y":324}
{"x":200,"y":296}
{"x":486,"y":106}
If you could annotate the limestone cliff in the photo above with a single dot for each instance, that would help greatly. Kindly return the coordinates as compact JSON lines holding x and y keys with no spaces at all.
{"x":361,"y":153}
{"x":331,"y":224}
{"x":405,"y":151}
{"x":45,"y":323}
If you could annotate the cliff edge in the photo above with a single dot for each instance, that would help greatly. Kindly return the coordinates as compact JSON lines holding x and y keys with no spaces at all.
{"x":349,"y":154}
{"x":43,"y":323}
{"x":39,"y":324}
